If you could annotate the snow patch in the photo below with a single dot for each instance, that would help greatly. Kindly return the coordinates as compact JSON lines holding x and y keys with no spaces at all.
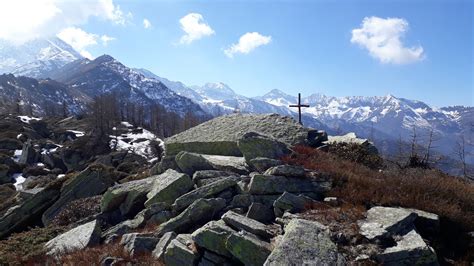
{"x":27,"y":119}
{"x":77,"y":133}
{"x":19,"y":179}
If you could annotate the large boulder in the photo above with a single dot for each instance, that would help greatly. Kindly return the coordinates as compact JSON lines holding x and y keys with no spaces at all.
{"x":247,"y":248}
{"x":190,"y":162}
{"x":351,"y":138}
{"x":180,"y":252}
{"x":254,"y":145}
{"x":125,"y":196}
{"x":383,"y":222}
{"x":94,"y":180}
{"x":201,"y":178}
{"x":78,"y":238}
{"x":30,"y":211}
{"x":28,"y":154}
{"x":305,"y":243}
{"x":160,"y":248}
{"x":198,"y":213}
{"x":220,"y":135}
{"x":269,"y":184}
{"x":291,"y":203}
{"x":168,"y":186}
{"x":136,"y":243}
{"x":261,"y":164}
{"x":241,"y":222}
{"x":212,"y":236}
{"x":206,"y":191}
{"x":410,"y":249}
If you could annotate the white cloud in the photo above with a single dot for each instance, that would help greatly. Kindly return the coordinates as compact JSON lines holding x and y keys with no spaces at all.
{"x":146,"y":23}
{"x":24,"y":20}
{"x":80,"y":40}
{"x":106,"y":39}
{"x":383,"y":39}
{"x":195,"y":28}
{"x":247,"y":43}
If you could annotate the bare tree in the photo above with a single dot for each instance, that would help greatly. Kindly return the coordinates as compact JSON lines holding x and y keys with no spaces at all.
{"x":461,"y":152}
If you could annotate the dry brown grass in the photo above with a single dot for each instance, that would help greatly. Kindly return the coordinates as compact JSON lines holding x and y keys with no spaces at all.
{"x":429,"y":190}
{"x":94,"y":255}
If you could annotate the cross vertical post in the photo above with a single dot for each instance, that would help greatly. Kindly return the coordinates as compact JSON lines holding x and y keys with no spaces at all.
{"x":299,"y":105}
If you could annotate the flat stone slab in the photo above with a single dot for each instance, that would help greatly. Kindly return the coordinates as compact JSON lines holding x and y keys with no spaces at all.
{"x":409,"y":250}
{"x":168,"y":186}
{"x":248,"y":248}
{"x":203,"y":192}
{"x":247,"y":224}
{"x":220,"y":135}
{"x":385,"y":221}
{"x":212,"y":236}
{"x":198,"y":213}
{"x":75,"y":239}
{"x":269,"y":184}
{"x":305,"y":243}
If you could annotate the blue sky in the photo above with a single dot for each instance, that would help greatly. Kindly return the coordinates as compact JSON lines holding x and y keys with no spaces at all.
{"x":307,"y":49}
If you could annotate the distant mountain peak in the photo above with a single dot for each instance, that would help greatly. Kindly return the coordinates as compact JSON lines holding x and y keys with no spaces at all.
{"x":105,"y":58}
{"x":37,"y":58}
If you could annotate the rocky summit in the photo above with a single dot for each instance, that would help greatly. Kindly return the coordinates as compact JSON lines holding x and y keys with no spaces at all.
{"x":222,"y":195}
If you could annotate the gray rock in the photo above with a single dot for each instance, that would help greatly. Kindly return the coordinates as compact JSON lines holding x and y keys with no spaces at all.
{"x":305,"y":243}
{"x":261,"y":164}
{"x":241,"y":201}
{"x":261,"y":213}
{"x":190,"y":162}
{"x":241,"y":222}
{"x":253,"y":145}
{"x":351,"y":138}
{"x":287,"y":170}
{"x":167,"y":162}
{"x":160,"y":248}
{"x":212,"y":236}
{"x":168,"y":186}
{"x":228,"y":163}
{"x":180,"y":252}
{"x":126,"y":195}
{"x":94,"y":180}
{"x":202,"y":178}
{"x":136,"y":243}
{"x":409,"y":250}
{"x":247,"y":248}
{"x":220,"y":135}
{"x":211,"y":259}
{"x":198,"y":213}
{"x":28,"y":154}
{"x":29,"y":211}
{"x":203,"y":192}
{"x":268,"y":184}
{"x":291,"y":203}
{"x":426,"y":221}
{"x":75,"y":239}
{"x":382,"y":222}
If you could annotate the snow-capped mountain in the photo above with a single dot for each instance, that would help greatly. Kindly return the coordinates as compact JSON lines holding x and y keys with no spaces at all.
{"x":36,"y":58}
{"x":386,"y":117}
{"x":218,"y":98}
{"x":107,"y":75}
{"x":41,"y":97}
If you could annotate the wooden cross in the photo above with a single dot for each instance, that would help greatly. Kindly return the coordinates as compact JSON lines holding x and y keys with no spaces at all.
{"x":299,"y":105}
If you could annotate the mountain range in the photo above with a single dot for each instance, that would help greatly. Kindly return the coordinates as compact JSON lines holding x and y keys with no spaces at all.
{"x":59,"y":74}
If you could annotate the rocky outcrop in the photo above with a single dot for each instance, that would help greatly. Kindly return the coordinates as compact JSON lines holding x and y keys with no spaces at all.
{"x":78,"y":238}
{"x":92,"y":181}
{"x":305,"y":243}
{"x":241,"y":222}
{"x":219,"y":136}
{"x":138,"y":243}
